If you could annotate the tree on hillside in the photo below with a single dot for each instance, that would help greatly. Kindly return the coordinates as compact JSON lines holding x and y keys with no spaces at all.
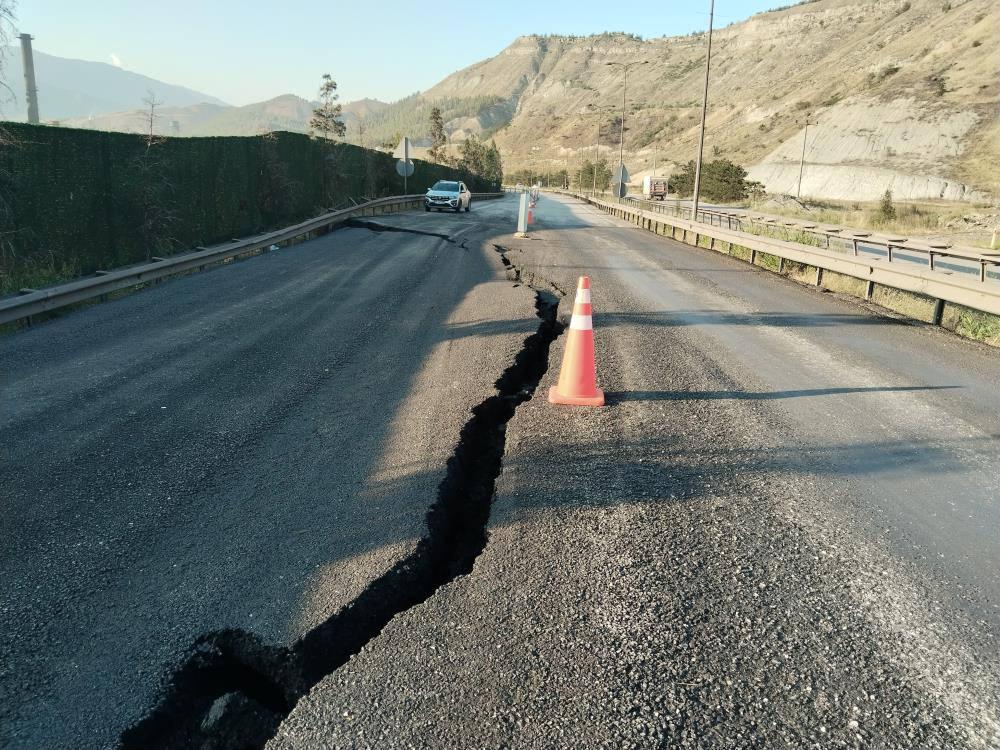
{"x":584,"y":178}
{"x":493,"y":165}
{"x":325,"y":119}
{"x":721,"y":180}
{"x":155,"y":193}
{"x":438,"y":138}
{"x":149,"y":117}
{"x":472,"y":155}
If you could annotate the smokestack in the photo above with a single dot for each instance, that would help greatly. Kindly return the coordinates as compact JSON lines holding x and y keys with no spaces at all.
{"x":31,"y":91}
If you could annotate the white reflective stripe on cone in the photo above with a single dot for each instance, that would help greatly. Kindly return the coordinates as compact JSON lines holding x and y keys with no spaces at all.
{"x":582,"y":323}
{"x":583,"y":295}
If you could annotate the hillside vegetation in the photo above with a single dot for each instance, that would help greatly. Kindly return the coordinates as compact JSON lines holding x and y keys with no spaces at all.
{"x":900,"y":94}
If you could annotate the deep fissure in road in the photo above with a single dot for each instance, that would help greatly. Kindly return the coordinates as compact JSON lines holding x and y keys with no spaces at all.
{"x":374,"y":226}
{"x":234,"y":690}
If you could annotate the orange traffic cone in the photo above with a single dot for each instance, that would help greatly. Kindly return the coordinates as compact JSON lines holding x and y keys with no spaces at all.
{"x":578,"y":377}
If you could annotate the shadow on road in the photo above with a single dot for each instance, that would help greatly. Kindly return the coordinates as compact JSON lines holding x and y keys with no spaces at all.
{"x":622,"y":396}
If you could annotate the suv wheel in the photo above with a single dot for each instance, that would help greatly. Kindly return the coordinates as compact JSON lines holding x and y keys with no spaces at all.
{"x":468,"y":206}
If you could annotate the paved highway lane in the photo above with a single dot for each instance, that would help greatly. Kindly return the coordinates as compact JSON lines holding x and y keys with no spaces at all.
{"x":781,"y":532}
{"x":243,"y":448}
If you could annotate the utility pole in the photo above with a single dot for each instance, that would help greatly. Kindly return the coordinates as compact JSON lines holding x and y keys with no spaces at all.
{"x":802,"y":161}
{"x":597,"y":151}
{"x":621,"y":147}
{"x":704,"y":114}
{"x":30,"y":89}
{"x":625,"y":67}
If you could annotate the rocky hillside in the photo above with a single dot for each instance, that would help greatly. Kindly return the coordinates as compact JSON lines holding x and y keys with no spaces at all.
{"x":899,"y":94}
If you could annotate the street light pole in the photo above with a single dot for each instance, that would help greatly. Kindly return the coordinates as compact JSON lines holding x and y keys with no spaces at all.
{"x":621,"y":147}
{"x":704,"y":113}
{"x":625,"y":67}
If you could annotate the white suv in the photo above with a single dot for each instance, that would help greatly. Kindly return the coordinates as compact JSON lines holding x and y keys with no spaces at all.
{"x":448,"y":194}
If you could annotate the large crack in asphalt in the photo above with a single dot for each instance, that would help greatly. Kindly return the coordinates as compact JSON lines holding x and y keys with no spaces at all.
{"x":234,"y":690}
{"x":374,"y":226}
{"x":519,"y":276}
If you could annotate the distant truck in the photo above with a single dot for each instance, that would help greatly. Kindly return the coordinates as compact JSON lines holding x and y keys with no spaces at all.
{"x":654,"y":188}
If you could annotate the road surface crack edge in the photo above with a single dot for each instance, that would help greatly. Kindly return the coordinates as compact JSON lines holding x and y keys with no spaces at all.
{"x":374,"y":226}
{"x":233,"y":689}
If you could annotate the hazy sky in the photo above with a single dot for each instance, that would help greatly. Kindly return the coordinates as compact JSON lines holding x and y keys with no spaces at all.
{"x":245,"y":52}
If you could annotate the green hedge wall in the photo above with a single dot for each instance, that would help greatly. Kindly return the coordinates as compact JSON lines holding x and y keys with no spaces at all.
{"x":75,"y":201}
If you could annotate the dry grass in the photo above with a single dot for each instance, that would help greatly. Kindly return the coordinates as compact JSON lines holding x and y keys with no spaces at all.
{"x":911,"y":218}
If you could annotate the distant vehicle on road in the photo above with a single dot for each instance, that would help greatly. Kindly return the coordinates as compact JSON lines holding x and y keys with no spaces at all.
{"x":448,"y":194}
{"x":654,"y":188}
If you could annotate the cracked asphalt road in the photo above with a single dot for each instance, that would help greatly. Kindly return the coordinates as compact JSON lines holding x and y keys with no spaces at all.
{"x":781,"y":532}
{"x":243,"y":448}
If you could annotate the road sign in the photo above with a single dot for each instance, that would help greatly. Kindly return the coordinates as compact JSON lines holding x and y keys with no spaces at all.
{"x":403,"y":150}
{"x":404,"y":167}
{"x":619,"y":189}
{"x":621,"y":175}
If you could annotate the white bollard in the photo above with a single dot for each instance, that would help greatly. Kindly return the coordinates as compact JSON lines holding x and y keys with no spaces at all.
{"x":522,"y":216}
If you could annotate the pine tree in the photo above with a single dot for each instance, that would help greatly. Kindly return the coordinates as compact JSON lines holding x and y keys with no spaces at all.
{"x":493,"y":166}
{"x":326,"y":117}
{"x":438,"y":139}
{"x":472,"y":152}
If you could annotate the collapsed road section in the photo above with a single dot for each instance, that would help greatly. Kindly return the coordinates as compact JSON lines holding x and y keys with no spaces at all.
{"x":233,"y":690}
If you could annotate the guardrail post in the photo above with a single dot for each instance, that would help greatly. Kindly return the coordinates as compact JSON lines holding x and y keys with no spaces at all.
{"x":869,"y":290}
{"x":938,"y":311}
{"x":854,"y":241}
{"x":819,"y":277}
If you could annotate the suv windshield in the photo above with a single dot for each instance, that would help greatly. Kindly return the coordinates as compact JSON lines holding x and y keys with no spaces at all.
{"x":446,"y":187}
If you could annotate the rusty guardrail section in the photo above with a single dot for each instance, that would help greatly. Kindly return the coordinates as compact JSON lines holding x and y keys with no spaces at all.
{"x":34,"y":301}
{"x":943,"y":286}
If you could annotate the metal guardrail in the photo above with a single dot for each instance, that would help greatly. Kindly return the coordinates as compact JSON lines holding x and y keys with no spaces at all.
{"x":32,"y":302}
{"x":855,"y":241}
{"x":930,"y":281}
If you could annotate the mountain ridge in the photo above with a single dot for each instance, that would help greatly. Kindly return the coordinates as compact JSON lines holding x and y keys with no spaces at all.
{"x":70,"y":88}
{"x":889,"y":94}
